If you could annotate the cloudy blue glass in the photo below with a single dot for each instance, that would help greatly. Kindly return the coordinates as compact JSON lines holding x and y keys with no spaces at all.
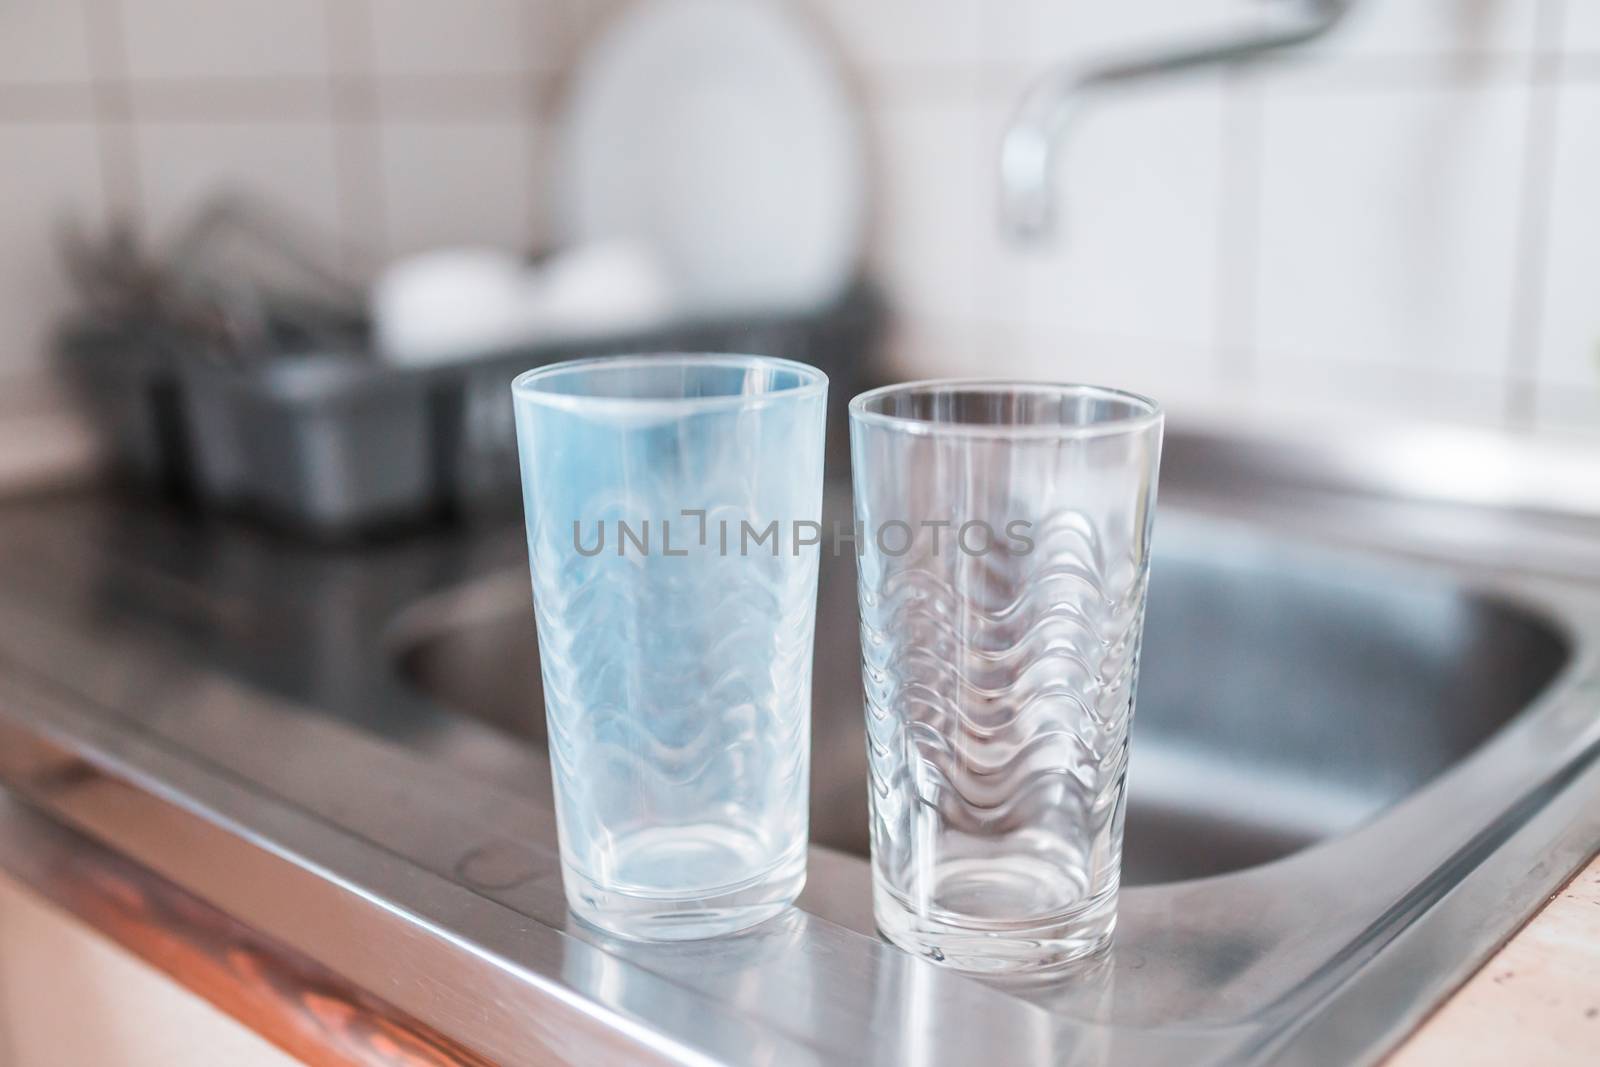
{"x":672,"y":506}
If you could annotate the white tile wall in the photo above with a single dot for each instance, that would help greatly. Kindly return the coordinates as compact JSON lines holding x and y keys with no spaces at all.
{"x":464,"y":37}
{"x":1567,"y":411}
{"x":237,"y":100}
{"x":384,"y":125}
{"x":1579,"y":22}
{"x":1137,"y":199}
{"x":1388,"y":227}
{"x":1042,"y":31}
{"x":456,"y":98}
{"x":1568,"y":371}
{"x":1351,"y":225}
{"x":934,"y":345}
{"x":889,"y":35}
{"x":225,"y":38}
{"x":1137,"y":238}
{"x":42,"y":42}
{"x":288,"y":165}
{"x":1403,"y":217}
{"x":929,"y":176}
{"x":458,"y":183}
{"x":1435,"y":27}
{"x":1378,"y":391}
{"x":51,"y":177}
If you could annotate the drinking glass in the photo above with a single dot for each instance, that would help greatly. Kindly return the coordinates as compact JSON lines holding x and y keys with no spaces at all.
{"x":1005,"y":537}
{"x":672,"y":506}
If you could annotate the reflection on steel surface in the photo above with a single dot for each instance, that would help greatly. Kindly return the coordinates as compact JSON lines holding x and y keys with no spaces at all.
{"x":1356,"y":767}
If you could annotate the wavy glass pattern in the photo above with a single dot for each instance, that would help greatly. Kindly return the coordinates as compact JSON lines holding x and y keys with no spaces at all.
{"x":676,"y":653}
{"x":1000,"y":658}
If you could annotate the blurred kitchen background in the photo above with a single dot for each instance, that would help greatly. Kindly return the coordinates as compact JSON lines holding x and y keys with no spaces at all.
{"x":1402,"y":219}
{"x":281,"y":258}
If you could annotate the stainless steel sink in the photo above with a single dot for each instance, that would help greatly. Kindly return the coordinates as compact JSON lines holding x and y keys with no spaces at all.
{"x":1364,"y":752}
{"x":1286,"y":695}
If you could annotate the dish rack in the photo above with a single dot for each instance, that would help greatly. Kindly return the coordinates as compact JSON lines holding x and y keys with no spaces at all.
{"x":330,"y":442}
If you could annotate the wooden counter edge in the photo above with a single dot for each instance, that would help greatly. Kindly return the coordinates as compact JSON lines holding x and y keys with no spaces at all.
{"x":288,"y":998}
{"x":1536,"y":1001}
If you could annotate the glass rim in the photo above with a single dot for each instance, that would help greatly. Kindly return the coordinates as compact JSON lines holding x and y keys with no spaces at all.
{"x":1149,"y":412}
{"x":526,"y":386}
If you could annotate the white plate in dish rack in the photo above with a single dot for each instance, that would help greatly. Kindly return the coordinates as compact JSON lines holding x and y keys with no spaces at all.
{"x":718,"y":132}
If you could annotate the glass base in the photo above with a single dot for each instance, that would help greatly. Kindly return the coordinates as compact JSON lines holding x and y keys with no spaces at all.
{"x":708,"y":913}
{"x":991,"y":946}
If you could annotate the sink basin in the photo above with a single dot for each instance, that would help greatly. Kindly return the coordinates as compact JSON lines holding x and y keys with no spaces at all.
{"x":1328,"y":741}
{"x":1365,"y":750}
{"x":1285,"y":695}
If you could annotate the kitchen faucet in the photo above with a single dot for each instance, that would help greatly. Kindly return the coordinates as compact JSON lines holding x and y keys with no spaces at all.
{"x":1029,"y":148}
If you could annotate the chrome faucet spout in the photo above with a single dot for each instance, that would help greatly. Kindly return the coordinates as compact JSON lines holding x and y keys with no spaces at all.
{"x":1038,"y":128}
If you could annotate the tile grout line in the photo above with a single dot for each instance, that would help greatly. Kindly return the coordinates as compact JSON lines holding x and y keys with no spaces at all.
{"x":1238,"y":251}
{"x":112,"y":104}
{"x":1535,"y":195}
{"x":534,"y":28}
{"x":354,"y":118}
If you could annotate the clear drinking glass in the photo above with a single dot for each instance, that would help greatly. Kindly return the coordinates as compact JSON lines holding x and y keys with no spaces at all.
{"x":1005,"y":540}
{"x":668,"y":499}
